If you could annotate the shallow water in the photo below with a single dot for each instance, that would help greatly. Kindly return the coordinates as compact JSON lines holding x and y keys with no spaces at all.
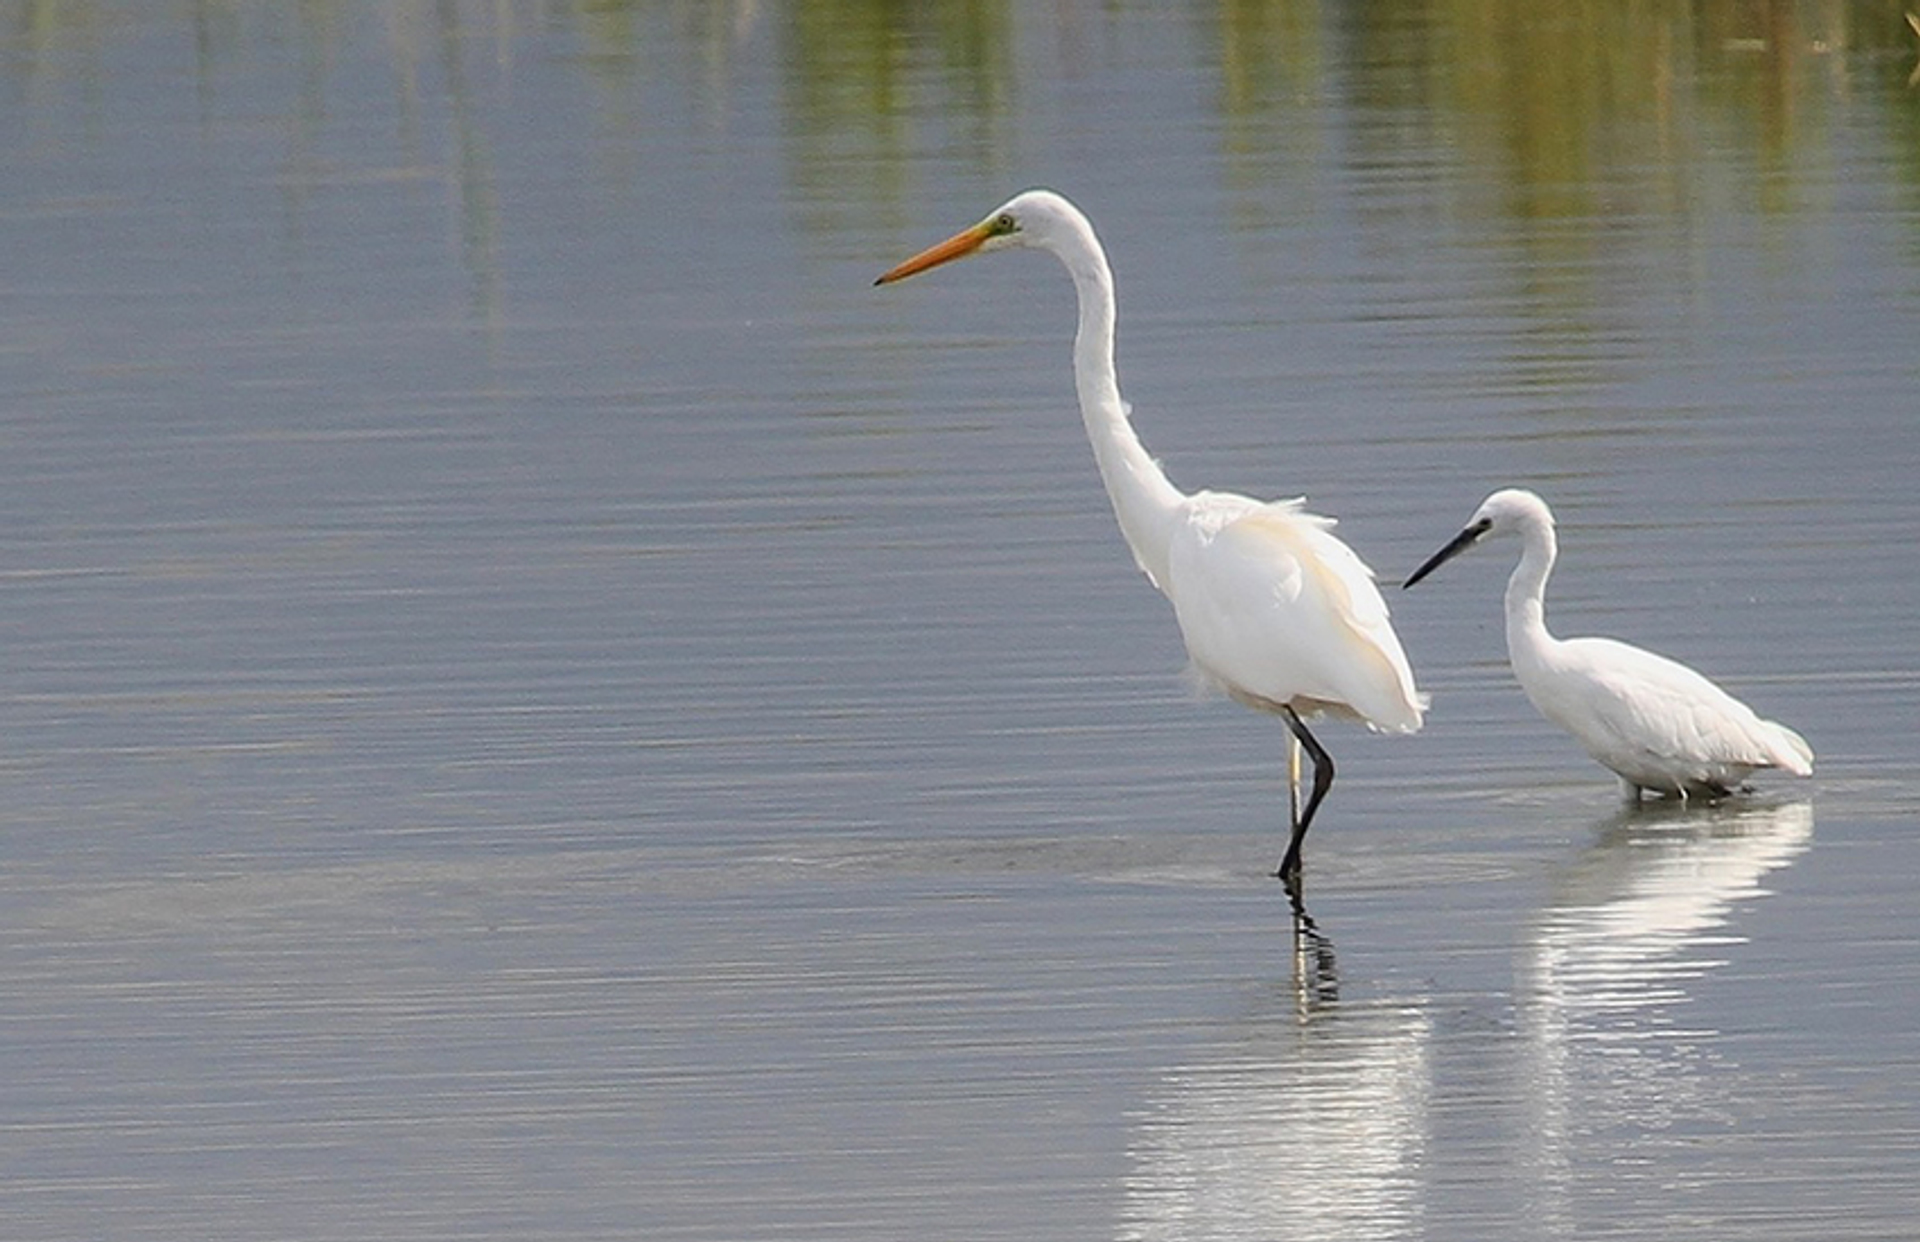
{"x":538,"y":704}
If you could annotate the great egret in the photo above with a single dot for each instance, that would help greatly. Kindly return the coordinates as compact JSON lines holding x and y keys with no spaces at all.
{"x":1658,"y":724}
{"x":1274,"y":609}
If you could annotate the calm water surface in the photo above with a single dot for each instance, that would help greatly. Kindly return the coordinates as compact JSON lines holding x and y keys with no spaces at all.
{"x":538,"y":704}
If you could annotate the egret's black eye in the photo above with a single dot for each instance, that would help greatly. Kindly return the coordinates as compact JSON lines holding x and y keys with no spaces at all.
{"x":1003,"y":223}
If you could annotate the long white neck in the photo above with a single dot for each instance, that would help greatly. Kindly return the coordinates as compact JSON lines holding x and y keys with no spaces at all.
{"x":1527,"y":592}
{"x":1144,"y":500}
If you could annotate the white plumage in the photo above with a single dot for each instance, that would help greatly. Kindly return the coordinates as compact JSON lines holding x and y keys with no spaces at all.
{"x":1658,"y":724}
{"x":1274,"y":610}
{"x":1266,"y":597}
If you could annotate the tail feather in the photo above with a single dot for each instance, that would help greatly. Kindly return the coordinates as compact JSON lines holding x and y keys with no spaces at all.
{"x":1789,"y":750}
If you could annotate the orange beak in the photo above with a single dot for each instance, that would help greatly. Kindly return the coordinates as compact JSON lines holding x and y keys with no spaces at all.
{"x":958,"y":246}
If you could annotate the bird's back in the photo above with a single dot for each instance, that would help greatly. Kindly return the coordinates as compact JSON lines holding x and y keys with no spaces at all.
{"x":1278,"y":612}
{"x":1656,"y":722}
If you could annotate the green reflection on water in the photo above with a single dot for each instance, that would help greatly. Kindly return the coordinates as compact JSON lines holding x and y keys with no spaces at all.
{"x":871,"y":85}
{"x":1566,"y":119}
{"x":1545,"y":93}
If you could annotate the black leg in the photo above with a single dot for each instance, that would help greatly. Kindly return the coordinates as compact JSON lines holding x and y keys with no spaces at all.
{"x":1322,"y":781}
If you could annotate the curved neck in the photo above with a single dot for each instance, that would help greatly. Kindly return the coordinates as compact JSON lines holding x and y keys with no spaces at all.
{"x":1144,"y":500}
{"x":1527,"y":589}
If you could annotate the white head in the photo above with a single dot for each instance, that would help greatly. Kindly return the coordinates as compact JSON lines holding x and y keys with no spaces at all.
{"x":1039,"y":219}
{"x":1511,"y":510}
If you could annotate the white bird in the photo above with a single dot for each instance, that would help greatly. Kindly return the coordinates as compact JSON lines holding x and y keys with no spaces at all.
{"x":1274,"y":609}
{"x":1658,"y":724}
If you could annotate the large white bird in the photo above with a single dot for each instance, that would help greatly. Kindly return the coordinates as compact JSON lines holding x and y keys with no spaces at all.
{"x":1658,"y":724}
{"x":1275,"y":610}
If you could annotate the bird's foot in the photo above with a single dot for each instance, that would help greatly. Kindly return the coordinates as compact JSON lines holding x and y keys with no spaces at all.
{"x":1290,"y":879}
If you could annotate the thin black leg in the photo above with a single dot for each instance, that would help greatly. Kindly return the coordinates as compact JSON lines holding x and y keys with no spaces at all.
{"x":1322,"y":781}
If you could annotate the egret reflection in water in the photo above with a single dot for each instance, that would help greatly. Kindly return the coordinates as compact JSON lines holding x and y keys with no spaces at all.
{"x":1615,"y":1071}
{"x":1311,"y":1127}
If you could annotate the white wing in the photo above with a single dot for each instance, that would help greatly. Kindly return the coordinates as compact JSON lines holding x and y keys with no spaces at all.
{"x":1630,"y":705}
{"x":1279,"y":612}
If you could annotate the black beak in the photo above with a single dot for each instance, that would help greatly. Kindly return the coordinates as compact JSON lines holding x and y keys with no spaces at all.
{"x":1460,"y":543}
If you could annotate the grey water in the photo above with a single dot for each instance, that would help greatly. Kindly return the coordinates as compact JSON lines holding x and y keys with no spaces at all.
{"x":536,"y":703}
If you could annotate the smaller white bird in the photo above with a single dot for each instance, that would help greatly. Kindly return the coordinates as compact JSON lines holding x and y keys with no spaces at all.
{"x":1658,"y":724}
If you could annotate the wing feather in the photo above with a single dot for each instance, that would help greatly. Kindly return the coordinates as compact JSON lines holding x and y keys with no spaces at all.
{"x":1279,"y":611}
{"x":1641,"y":711}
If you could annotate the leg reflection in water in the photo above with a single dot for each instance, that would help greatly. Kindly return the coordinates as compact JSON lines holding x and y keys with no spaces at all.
{"x":1316,"y":982}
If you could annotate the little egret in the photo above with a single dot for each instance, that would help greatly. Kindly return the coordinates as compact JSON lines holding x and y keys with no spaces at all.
{"x":1275,"y":610}
{"x":1658,"y":724}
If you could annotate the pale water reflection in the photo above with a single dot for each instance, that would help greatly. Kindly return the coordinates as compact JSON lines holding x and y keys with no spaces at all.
{"x":1311,"y":1117}
{"x":1621,"y":1072}
{"x":1289,"y":1128}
